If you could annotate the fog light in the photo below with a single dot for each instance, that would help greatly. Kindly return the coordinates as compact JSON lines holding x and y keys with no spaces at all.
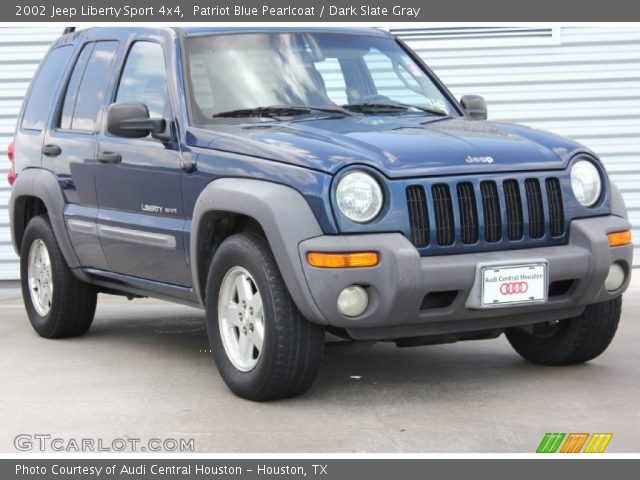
{"x":615,"y":279}
{"x":353,"y":301}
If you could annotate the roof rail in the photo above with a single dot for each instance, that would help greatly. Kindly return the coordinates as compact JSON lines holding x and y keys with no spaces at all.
{"x":69,"y":30}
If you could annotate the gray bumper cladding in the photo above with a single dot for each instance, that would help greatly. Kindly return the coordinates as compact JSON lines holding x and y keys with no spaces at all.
{"x":412,"y":295}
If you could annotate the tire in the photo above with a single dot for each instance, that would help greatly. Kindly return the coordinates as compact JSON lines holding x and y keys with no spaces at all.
{"x":291,"y":347}
{"x":68,"y":309}
{"x":571,"y":341}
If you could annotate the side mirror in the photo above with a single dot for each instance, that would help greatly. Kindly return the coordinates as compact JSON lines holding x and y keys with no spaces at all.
{"x":475,"y":106}
{"x":131,"y":120}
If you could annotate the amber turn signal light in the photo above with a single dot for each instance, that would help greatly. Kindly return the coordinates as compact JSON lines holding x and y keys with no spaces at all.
{"x":342,"y":260}
{"x":617,"y":239}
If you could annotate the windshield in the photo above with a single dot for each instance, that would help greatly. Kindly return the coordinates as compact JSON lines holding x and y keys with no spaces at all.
{"x":241,"y":74}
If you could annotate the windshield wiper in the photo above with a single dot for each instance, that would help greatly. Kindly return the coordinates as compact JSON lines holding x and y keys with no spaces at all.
{"x":391,"y":108}
{"x":279,"y":111}
{"x":435,"y":111}
{"x":272,"y":111}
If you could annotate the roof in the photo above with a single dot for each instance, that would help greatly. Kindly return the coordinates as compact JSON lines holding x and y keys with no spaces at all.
{"x":195,"y":31}
{"x":115,"y":33}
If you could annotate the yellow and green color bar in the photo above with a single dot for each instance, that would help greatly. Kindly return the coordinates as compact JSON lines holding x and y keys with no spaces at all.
{"x":573,"y":443}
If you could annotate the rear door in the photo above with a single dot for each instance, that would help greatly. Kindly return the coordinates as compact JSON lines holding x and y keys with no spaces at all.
{"x":141,"y":219}
{"x":70,"y":144}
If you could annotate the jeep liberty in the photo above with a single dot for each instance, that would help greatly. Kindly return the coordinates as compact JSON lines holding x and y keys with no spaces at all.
{"x":293,"y":182}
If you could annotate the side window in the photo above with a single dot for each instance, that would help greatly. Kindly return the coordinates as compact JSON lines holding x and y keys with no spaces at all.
{"x":144,"y":79}
{"x":38,"y":104}
{"x":72,"y":87}
{"x":331,"y":72}
{"x":87,"y":87}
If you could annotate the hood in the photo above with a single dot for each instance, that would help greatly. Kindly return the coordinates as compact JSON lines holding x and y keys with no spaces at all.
{"x":399,"y":146}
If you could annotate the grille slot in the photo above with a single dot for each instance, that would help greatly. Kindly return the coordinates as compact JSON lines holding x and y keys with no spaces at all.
{"x":514,"y":209}
{"x":556,"y":209}
{"x":491,"y":208}
{"x":535,"y":208}
{"x":418,"y":215}
{"x":468,"y":212}
{"x":445,"y":230}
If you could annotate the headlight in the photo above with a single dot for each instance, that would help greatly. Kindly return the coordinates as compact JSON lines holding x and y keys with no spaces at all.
{"x":585,"y":182}
{"x":359,"y":196}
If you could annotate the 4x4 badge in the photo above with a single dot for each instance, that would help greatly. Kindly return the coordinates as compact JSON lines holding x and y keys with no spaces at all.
{"x":471,"y":159}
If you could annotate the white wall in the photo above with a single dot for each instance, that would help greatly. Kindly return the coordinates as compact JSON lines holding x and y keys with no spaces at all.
{"x":21,"y":50}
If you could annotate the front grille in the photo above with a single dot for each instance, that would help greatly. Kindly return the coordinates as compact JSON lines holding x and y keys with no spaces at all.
{"x":492,"y":211}
{"x":556,"y":210}
{"x":468,"y":212}
{"x":514,"y":209}
{"x":443,"y":206}
{"x":535,"y":208}
{"x":418,"y":215}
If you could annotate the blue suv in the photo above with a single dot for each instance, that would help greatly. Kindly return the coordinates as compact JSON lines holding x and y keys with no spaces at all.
{"x":293,"y":182}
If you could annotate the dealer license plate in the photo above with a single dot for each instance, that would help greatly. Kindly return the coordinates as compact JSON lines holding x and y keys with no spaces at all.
{"x":509,"y":285}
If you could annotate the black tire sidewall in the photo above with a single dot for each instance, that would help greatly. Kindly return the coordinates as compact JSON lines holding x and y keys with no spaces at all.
{"x":549,"y":349}
{"x":38,"y":229}
{"x":577,"y":339}
{"x":240,"y":253}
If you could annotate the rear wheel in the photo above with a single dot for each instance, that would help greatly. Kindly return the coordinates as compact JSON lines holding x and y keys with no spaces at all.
{"x":264,"y":348}
{"x":58,"y":304}
{"x":575,"y":340}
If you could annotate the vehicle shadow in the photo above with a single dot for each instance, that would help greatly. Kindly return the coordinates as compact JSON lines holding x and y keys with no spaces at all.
{"x":350,"y":371}
{"x":382,"y":367}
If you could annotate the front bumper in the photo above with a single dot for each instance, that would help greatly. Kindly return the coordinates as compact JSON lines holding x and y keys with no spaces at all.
{"x":400,"y":283}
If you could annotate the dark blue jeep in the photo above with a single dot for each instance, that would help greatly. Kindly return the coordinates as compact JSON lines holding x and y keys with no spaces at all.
{"x":297,"y":181}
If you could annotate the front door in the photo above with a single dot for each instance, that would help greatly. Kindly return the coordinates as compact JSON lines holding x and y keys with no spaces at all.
{"x":140,"y":218}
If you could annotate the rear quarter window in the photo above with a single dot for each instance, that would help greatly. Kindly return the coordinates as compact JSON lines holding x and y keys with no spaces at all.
{"x":43,"y":88}
{"x":87,"y":87}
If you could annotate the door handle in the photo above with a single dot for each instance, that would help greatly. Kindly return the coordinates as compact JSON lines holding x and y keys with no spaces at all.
{"x":109,"y":157}
{"x":51,"y":150}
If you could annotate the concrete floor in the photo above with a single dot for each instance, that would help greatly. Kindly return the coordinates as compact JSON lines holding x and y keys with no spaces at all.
{"x":142,"y":372}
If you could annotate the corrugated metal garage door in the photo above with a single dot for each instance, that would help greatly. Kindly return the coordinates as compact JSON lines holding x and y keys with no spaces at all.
{"x":583,"y":83}
{"x":579,"y":82}
{"x":21,"y":50}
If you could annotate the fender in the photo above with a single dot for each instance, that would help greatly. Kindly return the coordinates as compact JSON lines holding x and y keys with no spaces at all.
{"x":617,"y":202}
{"x":285,"y":217}
{"x":42,"y":184}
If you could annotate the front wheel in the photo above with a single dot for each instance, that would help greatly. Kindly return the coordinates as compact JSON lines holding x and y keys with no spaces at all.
{"x":264,"y":348}
{"x":571,"y":341}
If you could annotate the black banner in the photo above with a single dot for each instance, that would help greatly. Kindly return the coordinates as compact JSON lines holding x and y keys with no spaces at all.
{"x":175,"y":11}
{"x":201,"y":469}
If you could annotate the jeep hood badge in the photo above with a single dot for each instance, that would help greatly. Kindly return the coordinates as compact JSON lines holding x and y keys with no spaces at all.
{"x":471,"y":159}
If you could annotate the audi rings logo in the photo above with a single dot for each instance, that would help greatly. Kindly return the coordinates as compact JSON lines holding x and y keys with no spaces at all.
{"x":513,"y":288}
